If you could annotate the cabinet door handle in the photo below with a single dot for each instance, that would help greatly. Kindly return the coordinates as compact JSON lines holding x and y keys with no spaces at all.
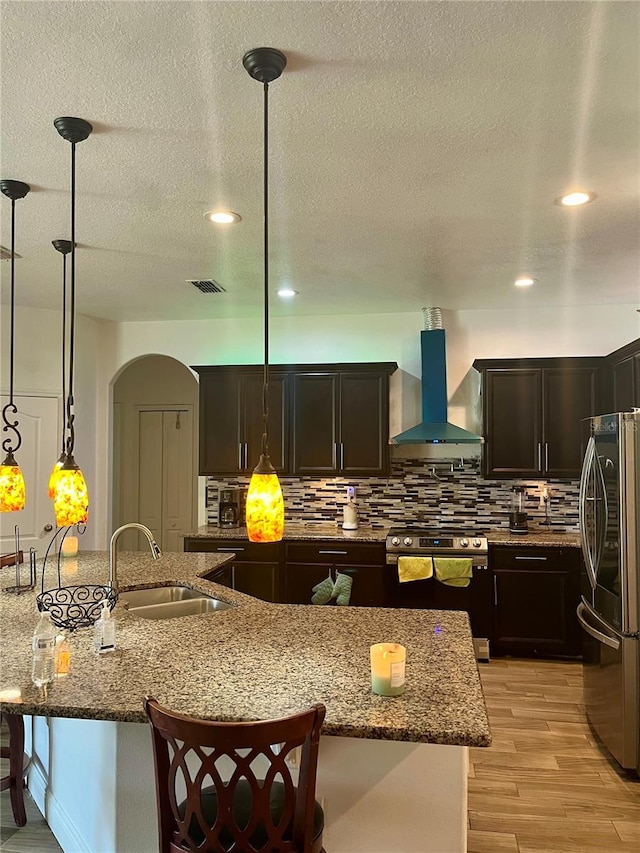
{"x":240,"y":454}
{"x":495,"y":590}
{"x":544,"y":559}
{"x":546,"y":456}
{"x":539,"y":456}
{"x":332,"y":552}
{"x":233,"y":550}
{"x":341,"y":455}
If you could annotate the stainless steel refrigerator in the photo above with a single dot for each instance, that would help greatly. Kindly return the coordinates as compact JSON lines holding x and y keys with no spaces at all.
{"x":609,"y":608}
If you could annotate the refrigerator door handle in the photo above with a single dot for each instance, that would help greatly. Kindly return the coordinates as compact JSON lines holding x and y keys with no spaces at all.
{"x":601,"y":518}
{"x":582,"y":502}
{"x":605,"y":639}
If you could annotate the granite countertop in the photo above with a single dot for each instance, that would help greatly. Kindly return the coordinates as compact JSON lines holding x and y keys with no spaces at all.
{"x":254,"y":661}
{"x":378,"y":533}
{"x":540,"y":537}
{"x":299,"y":530}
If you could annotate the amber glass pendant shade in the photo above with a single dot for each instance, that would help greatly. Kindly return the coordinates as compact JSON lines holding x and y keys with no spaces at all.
{"x":265,"y":505}
{"x":71,"y":496}
{"x":55,"y":473}
{"x":12,"y":488}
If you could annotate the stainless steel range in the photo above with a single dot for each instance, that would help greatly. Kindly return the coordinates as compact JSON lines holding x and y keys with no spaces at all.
{"x":423,"y":541}
{"x":418,"y":540}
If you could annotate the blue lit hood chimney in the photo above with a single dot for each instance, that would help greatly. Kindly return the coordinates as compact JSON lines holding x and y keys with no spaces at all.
{"x":435,"y":428}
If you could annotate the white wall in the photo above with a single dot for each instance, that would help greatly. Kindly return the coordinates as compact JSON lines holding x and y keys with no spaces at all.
{"x":103,"y":348}
{"x":38,"y":369}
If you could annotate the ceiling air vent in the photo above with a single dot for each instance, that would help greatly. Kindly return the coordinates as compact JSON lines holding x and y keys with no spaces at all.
{"x":5,"y":254}
{"x":207,"y":285}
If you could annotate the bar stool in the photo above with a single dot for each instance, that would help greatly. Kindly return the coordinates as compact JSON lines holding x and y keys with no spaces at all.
{"x":18,"y":764}
{"x":246,"y":812}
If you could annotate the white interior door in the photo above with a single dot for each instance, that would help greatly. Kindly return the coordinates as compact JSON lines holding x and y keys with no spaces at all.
{"x":156,"y":479}
{"x":177,"y":477}
{"x":150,"y":476}
{"x":39,"y":426}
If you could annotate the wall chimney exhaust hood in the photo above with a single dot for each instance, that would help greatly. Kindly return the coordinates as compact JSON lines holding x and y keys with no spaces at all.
{"x":435,"y":428}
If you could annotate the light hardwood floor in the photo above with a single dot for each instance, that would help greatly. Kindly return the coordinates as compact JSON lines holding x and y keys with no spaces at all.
{"x":545,"y":786}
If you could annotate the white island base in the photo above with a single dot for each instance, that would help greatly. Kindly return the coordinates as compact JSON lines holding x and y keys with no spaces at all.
{"x":93,"y":780}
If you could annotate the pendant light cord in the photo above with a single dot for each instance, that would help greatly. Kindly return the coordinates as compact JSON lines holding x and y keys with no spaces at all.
{"x":64,"y":345}
{"x":13,"y":297}
{"x":11,"y":406}
{"x":72,"y":329}
{"x":265,"y":386}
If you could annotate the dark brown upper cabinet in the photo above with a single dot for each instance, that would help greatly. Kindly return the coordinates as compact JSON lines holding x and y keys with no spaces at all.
{"x":623,"y":375}
{"x":532,"y":413}
{"x":324,"y":419}
{"x":231,"y":423}
{"x":341,"y":421}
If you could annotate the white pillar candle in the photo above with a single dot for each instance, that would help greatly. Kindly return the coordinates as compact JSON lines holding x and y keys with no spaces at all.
{"x":387,"y":668}
{"x":69,"y":546}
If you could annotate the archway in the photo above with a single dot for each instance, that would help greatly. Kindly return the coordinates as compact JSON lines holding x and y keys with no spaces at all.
{"x":155,"y":450}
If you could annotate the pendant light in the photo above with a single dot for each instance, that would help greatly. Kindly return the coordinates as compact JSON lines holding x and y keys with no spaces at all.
{"x":12,"y":488}
{"x":64,"y":247}
{"x":71,"y":497}
{"x":265,"y":505}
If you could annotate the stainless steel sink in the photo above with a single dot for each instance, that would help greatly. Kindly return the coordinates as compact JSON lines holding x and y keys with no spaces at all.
{"x":170,"y":602}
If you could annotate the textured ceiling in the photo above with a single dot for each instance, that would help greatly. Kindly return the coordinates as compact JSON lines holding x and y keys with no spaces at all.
{"x":416,"y":150}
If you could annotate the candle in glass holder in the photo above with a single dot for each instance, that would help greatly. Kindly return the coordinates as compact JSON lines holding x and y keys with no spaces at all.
{"x":387,"y":668}
{"x":69,"y":546}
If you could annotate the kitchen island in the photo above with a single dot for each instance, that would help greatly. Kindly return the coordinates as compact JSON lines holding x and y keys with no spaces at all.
{"x":392,"y":771}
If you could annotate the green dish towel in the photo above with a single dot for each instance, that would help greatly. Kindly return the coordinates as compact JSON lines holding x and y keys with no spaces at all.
{"x":453,"y":571}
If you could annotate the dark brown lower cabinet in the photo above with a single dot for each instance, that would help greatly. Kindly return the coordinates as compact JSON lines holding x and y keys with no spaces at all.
{"x":307,"y":564}
{"x":536,"y":592}
{"x":476,"y":599}
{"x":255,"y":571}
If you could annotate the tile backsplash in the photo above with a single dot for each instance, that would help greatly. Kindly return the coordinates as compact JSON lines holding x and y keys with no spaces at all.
{"x":438,"y":493}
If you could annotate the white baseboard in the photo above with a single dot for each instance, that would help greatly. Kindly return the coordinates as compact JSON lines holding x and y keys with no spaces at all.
{"x":58,"y":820}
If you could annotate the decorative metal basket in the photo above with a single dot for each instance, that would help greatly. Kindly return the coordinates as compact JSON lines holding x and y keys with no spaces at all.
{"x":74,"y":607}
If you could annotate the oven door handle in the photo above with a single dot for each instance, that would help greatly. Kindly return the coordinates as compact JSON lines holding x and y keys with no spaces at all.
{"x":477,"y":561}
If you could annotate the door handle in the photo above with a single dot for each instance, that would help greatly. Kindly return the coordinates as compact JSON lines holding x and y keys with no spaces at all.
{"x":233,"y":550}
{"x":539,"y":456}
{"x":495,"y":590}
{"x":585,"y":476}
{"x":332,"y":552}
{"x":341,"y":455}
{"x":612,"y":642}
{"x":546,"y":456}
{"x":531,"y":558}
{"x":240,"y":455}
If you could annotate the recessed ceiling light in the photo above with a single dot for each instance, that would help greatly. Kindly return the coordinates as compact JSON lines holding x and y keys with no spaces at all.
{"x":222,"y":217}
{"x":287,"y":293}
{"x":524,"y":281}
{"x":576,"y":198}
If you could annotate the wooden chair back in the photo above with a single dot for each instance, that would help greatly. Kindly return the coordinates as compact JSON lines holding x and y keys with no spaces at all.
{"x":213,"y":749}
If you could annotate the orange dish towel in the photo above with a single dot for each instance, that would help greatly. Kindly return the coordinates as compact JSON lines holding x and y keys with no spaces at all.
{"x":414,"y":568}
{"x":453,"y":571}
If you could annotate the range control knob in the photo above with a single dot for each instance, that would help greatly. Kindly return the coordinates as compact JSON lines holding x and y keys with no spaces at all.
{"x":477,"y":543}
{"x":464,"y":543}
{"x":395,"y":541}
{"x":408,"y":541}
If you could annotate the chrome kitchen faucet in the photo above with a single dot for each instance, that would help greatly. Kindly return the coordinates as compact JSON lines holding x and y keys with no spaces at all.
{"x":133,"y":525}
